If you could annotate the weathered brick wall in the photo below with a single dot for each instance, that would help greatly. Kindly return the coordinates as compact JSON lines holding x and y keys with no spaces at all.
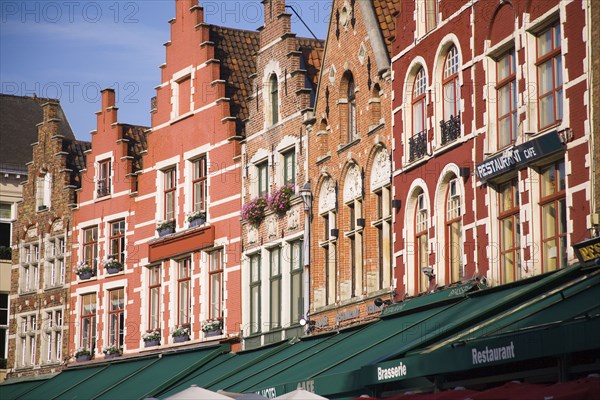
{"x":36,"y":226}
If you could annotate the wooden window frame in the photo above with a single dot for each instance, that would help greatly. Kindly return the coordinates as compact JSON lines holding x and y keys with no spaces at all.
{"x":510,"y":82}
{"x":554,"y":54}
{"x":199,"y":180}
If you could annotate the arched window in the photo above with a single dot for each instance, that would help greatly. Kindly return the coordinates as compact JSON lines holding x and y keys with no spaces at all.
{"x":418,"y":140}
{"x":421,"y":239}
{"x":351,"y":109}
{"x":453,"y":225}
{"x":450,"y":81}
{"x":375,"y":106}
{"x":450,"y":125}
{"x":274,"y":99}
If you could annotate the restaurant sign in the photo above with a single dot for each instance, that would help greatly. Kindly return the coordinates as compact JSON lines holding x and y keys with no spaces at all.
{"x":519,"y":156}
{"x":588,"y":251}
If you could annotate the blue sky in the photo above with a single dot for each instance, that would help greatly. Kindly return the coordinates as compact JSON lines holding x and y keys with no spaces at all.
{"x":71,"y":49}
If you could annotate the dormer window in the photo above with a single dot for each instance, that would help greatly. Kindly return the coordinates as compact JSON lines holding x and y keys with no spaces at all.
{"x":104,"y":179}
{"x":274,"y":99}
{"x":43,"y":191}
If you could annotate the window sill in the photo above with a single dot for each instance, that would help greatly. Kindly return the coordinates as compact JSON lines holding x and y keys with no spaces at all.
{"x":344,"y":147}
{"x":54,"y":287}
{"x":27,"y":292}
{"x":322,"y":159}
{"x":374,"y":129}
{"x":105,"y":197}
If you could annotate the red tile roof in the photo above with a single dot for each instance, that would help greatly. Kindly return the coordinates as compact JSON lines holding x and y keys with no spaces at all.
{"x":236,"y":50}
{"x":386,"y":11}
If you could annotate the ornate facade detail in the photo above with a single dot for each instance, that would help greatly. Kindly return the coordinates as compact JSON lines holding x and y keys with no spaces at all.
{"x":32,"y":232}
{"x":272,"y":227}
{"x":293,"y":218}
{"x":352,"y":184}
{"x":58,"y":226}
{"x":327,"y":196}
{"x":252,"y":234}
{"x":382,"y":169}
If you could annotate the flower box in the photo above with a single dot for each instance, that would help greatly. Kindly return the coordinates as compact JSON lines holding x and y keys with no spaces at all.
{"x":279,"y":200}
{"x":151,"y":343}
{"x":86,"y":275}
{"x":181,"y":338}
{"x":214,"y":332}
{"x":112,"y":355}
{"x":112,"y":265}
{"x":254,"y":211}
{"x":165,"y":228}
{"x":83,"y":357}
{"x":197,"y":222}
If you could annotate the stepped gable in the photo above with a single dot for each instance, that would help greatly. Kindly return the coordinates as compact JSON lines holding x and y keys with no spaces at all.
{"x":312,"y":57}
{"x":386,"y":11}
{"x":236,"y":50}
{"x":76,"y":159}
{"x":137,"y":144}
{"x":19,"y":117}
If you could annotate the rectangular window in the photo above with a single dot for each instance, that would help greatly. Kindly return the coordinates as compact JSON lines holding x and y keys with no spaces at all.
{"x":275,"y":282}
{"x":430,"y":14}
{"x":116,"y":316}
{"x":549,"y":75}
{"x":53,"y":336}
{"x":90,"y":247}
{"x":255,"y":261}
{"x":154,"y":283}
{"x":88,"y":321}
{"x":296,"y":268}
{"x":199,"y":184}
{"x":56,"y":262}
{"x":216,"y":284}
{"x":329,"y":257}
{"x":184,"y":87}
{"x":184,"y":292}
{"x":289,"y":167}
{"x":554,"y":217}
{"x":5,"y":230}
{"x":3,"y":324}
{"x":104,"y":180}
{"x":506,"y":91}
{"x":262,"y":170}
{"x":169,"y":194}
{"x":43,"y":191}
{"x":117,"y":241}
{"x":510,"y":232}
{"x":29,"y":279}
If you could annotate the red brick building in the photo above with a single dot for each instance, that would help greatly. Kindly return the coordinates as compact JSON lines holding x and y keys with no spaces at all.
{"x":104,"y":227}
{"x":284,"y":82}
{"x":491,"y":140}
{"x":165,"y":203}
{"x":350,"y":167}
{"x":42,"y":239}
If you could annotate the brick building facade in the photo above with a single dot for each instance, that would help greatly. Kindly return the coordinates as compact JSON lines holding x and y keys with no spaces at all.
{"x":42,"y":241}
{"x":274,"y":169}
{"x":491,"y":140}
{"x":350,"y":168}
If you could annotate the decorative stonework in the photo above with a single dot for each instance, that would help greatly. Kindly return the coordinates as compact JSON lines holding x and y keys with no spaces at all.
{"x":352,"y":184}
{"x":293,"y":218}
{"x":382,"y":169}
{"x":327,"y":196}
{"x":252,"y":234}
{"x":58,"y":226}
{"x":272,"y":227}
{"x":32,"y":232}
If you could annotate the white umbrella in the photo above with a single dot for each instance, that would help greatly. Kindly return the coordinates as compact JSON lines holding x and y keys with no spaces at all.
{"x":300,"y":394}
{"x":197,"y":393}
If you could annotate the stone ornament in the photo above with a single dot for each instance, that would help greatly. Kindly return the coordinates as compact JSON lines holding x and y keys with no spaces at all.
{"x":382,"y":169}
{"x":271,"y":227}
{"x":58,"y":226}
{"x":352,"y":184}
{"x":293,"y":218}
{"x":327,"y":196}
{"x":252,"y":234}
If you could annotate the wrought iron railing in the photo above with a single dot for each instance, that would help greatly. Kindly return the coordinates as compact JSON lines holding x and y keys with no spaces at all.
{"x":450,"y":129}
{"x":417,"y":146}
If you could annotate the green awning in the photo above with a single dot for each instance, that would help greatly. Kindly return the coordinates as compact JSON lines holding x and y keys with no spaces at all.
{"x":62,"y":382}
{"x":222,"y":367}
{"x":14,"y":390}
{"x":170,"y":369}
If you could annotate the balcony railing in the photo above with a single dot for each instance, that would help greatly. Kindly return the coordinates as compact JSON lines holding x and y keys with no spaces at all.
{"x":450,"y":129}
{"x":417,"y":146}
